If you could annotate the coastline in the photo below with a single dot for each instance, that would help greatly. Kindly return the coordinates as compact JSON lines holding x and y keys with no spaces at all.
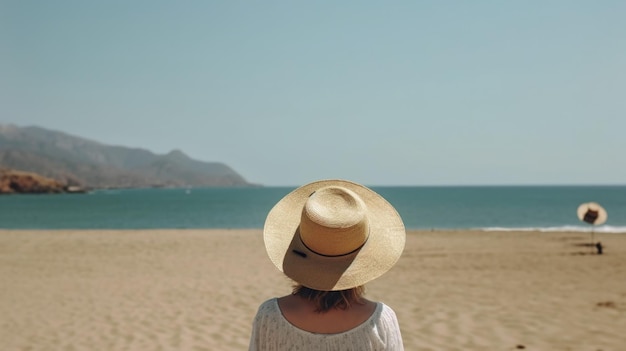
{"x":199,"y":289}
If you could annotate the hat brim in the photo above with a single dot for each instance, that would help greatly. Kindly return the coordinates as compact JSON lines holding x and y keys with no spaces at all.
{"x":380,"y":252}
{"x":583,"y":208}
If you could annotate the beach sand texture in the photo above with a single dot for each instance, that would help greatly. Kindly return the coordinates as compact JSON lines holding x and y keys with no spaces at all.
{"x":199,"y":290}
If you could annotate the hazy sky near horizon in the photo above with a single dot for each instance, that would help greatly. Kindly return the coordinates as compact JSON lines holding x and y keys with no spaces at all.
{"x":285,"y":92}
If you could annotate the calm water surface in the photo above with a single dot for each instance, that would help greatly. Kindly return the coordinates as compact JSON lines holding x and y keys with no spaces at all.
{"x":536,"y":207}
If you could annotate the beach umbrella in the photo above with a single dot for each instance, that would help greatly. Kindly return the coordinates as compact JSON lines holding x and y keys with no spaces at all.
{"x":592,"y":213}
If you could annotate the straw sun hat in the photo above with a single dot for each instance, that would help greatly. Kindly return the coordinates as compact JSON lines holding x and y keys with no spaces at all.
{"x":592,"y":213}
{"x":333,"y":235}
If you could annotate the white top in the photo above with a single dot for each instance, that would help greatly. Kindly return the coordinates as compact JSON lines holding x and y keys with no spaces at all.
{"x":272,"y":332}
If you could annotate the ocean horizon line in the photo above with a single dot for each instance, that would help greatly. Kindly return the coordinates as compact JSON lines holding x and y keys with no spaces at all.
{"x":449,"y":186}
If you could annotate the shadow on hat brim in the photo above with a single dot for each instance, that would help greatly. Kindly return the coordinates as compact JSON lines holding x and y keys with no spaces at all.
{"x":316,"y":271}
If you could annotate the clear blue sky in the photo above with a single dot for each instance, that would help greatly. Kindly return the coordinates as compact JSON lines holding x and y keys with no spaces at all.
{"x":286,"y":92}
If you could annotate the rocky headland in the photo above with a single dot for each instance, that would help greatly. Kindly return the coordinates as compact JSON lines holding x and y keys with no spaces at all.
{"x":17,"y":182}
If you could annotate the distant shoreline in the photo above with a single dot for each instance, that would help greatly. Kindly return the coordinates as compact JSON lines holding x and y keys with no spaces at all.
{"x":477,"y":231}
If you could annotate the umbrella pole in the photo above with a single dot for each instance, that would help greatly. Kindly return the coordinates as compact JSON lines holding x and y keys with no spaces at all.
{"x":592,"y":239}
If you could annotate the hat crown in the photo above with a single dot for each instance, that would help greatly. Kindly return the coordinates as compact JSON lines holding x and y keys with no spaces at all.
{"x":334,"y":221}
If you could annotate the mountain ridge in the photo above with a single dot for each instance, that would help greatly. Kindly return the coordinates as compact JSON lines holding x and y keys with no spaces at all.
{"x":75,"y":160}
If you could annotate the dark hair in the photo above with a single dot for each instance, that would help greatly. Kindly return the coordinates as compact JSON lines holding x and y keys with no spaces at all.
{"x":327,"y":300}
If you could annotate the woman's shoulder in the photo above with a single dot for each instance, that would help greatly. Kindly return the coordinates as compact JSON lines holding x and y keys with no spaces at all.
{"x":386,"y":317}
{"x":385,"y":309}
{"x":268,"y":306}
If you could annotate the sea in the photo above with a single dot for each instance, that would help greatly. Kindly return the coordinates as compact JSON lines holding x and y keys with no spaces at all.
{"x":543,"y":208}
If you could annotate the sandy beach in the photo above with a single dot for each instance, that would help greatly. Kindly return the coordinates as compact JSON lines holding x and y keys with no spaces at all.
{"x":199,"y":290}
